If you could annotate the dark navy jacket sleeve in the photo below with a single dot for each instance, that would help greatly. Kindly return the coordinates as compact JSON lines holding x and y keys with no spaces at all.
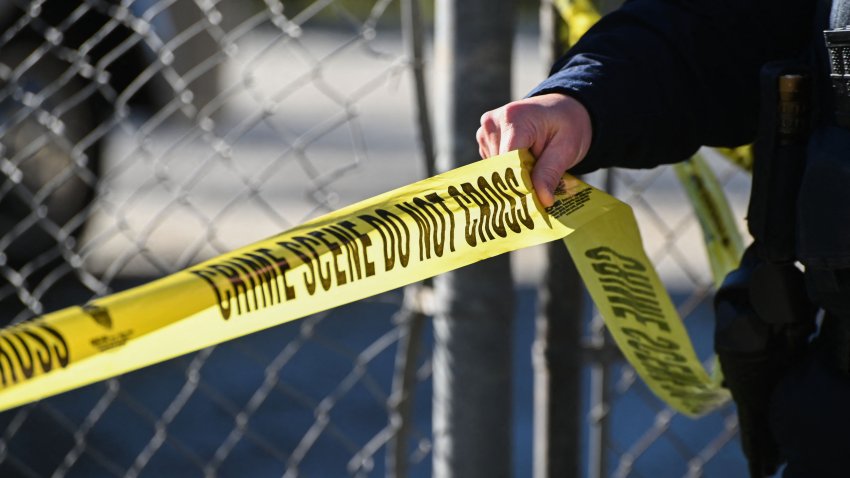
{"x":661,"y":78}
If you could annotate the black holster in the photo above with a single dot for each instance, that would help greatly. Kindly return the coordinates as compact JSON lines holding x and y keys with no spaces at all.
{"x":764,"y":316}
{"x":779,"y":150}
{"x":764,"y":320}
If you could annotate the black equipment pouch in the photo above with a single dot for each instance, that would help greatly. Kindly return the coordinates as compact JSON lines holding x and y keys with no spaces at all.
{"x":779,"y":151}
{"x":838,"y":45}
{"x":764,"y":321}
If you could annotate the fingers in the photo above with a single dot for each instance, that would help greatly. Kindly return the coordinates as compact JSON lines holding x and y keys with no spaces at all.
{"x":505,"y":129}
{"x":553,"y":160}
{"x":546,"y":175}
{"x":554,"y":127}
{"x":514,"y":138}
{"x":488,"y":135}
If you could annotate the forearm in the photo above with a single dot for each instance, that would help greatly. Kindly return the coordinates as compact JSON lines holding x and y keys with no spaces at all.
{"x":661,"y":78}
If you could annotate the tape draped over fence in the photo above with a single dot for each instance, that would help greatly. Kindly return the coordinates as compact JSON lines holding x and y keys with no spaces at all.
{"x":418,"y":231}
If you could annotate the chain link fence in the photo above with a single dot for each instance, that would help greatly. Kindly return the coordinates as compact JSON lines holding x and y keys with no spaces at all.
{"x":630,"y":431}
{"x":626,"y":431}
{"x":138,"y":137}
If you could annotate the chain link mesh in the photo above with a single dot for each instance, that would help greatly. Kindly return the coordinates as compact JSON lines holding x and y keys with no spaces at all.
{"x":138,"y":137}
{"x":629,"y":431}
{"x":636,"y":435}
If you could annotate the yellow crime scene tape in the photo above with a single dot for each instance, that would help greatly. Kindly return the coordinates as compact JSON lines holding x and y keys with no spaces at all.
{"x":742,"y":156}
{"x":722,"y":238}
{"x":724,"y":245}
{"x":418,"y":231}
{"x":723,"y":242}
{"x":579,"y":15}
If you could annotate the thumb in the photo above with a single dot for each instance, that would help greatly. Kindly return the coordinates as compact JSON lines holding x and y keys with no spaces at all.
{"x":545,"y":177}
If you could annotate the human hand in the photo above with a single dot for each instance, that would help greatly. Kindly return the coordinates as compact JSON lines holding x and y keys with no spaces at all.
{"x":554,"y":127}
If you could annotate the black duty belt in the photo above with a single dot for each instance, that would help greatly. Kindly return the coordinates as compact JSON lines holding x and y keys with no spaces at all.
{"x":838,"y":44}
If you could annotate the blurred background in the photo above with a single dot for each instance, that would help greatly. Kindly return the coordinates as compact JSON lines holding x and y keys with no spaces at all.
{"x":139,"y":137}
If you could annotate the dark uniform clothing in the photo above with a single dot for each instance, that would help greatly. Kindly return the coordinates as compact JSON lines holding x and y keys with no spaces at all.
{"x":660,"y":78}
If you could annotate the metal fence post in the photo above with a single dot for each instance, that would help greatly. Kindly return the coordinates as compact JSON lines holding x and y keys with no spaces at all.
{"x":557,"y":354}
{"x":412,"y":318}
{"x":601,"y":352}
{"x":472,"y":355}
{"x":557,"y":359}
{"x":557,"y":368}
